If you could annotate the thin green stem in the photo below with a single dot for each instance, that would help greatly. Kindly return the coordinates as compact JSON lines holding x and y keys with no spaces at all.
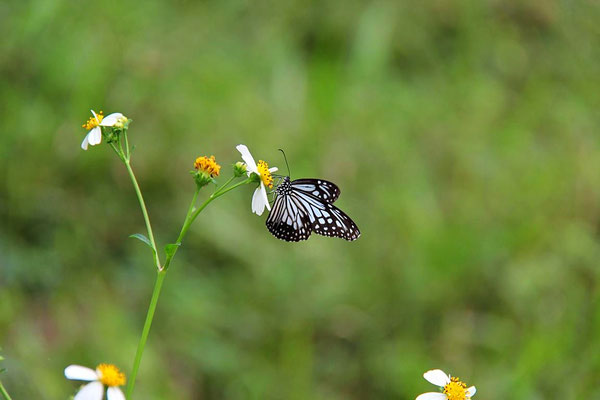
{"x":145,"y":212}
{"x":221,"y":192}
{"x":162,"y":271}
{"x":192,"y":216}
{"x":120,"y":154}
{"x":192,"y":204}
{"x":149,"y":317}
{"x":4,"y":392}
{"x":128,"y":154}
{"x":121,"y":150}
{"x":212,"y":197}
{"x":225,"y":184}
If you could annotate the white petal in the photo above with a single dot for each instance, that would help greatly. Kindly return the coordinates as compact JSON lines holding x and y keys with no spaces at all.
{"x":111,"y":119}
{"x":95,"y":136}
{"x":263,"y":191}
{"x":432,"y":396}
{"x":437,"y":377}
{"x":247,"y":157}
{"x":258,"y":205}
{"x":114,"y":393}
{"x":80,"y":373}
{"x":471,"y":391}
{"x":91,"y":391}
{"x":84,"y":144}
{"x":95,"y":116}
{"x":274,"y":169}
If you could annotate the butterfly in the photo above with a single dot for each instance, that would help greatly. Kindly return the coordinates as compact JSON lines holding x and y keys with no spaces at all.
{"x":304,"y":206}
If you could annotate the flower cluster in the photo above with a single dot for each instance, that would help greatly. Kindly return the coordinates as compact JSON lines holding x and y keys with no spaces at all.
{"x":207,"y":165}
{"x":95,"y":123}
{"x":205,"y":169}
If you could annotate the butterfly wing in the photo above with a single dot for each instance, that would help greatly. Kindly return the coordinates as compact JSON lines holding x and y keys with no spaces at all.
{"x":325,"y":218}
{"x":336,"y":223}
{"x":321,"y":189}
{"x":288,"y":219}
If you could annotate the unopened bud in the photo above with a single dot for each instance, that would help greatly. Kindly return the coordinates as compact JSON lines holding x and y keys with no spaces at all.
{"x":239,"y":169}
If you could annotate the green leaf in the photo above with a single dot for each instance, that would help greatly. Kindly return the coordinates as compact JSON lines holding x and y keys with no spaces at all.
{"x":143,"y":238}
{"x":171,"y":248}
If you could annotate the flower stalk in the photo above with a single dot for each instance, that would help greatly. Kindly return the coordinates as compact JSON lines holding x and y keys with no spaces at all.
{"x":162,"y":273}
{"x":191,"y":217}
{"x":140,"y":197}
{"x":160,"y":277}
{"x":4,"y":393}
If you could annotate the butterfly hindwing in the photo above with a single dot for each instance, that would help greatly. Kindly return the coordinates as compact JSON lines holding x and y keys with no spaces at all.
{"x":328,"y":220}
{"x":336,"y":223}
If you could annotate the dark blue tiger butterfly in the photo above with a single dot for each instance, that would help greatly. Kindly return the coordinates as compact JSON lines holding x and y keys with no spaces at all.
{"x":304,"y":206}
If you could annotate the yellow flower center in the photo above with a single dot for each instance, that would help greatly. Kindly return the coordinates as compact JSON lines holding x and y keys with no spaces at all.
{"x":110,"y":375}
{"x":207,"y":165}
{"x":265,"y":175}
{"x":456,"y":390}
{"x":93,"y":122}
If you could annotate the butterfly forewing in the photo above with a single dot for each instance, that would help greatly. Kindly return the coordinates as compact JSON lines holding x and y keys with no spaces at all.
{"x":319,"y":188}
{"x":303,"y":206}
{"x":288,"y":220}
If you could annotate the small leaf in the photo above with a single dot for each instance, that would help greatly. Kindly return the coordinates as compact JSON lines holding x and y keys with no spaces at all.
{"x":143,"y":238}
{"x":171,"y":248}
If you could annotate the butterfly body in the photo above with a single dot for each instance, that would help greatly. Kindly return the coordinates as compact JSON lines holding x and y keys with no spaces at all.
{"x":304,"y":206}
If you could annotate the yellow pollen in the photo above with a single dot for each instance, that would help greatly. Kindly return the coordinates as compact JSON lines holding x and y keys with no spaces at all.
{"x":265,"y":175}
{"x":110,"y":375}
{"x":92,"y":122}
{"x":207,"y":165}
{"x":456,"y":390}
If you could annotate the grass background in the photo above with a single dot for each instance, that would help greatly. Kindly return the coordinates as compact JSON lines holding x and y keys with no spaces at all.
{"x":464,"y":136}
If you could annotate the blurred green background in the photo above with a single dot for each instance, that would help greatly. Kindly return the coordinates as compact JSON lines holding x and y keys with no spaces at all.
{"x":463,"y":135}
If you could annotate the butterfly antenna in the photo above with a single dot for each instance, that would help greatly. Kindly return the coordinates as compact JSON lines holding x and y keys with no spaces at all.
{"x":286,"y":163}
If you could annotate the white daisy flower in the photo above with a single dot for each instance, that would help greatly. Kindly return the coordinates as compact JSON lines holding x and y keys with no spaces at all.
{"x":259,"y":199}
{"x":452,"y":388}
{"x":104,"y":375}
{"x":93,"y":125}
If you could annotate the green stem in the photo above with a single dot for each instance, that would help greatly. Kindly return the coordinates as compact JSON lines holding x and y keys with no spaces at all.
{"x":162,"y":271}
{"x":128,"y":155}
{"x":149,"y":317}
{"x":225,"y":184}
{"x":218,"y":193}
{"x":4,"y":392}
{"x":191,"y":207}
{"x":120,"y":154}
{"x":145,"y":212}
{"x":190,"y":218}
{"x":212,"y":197}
